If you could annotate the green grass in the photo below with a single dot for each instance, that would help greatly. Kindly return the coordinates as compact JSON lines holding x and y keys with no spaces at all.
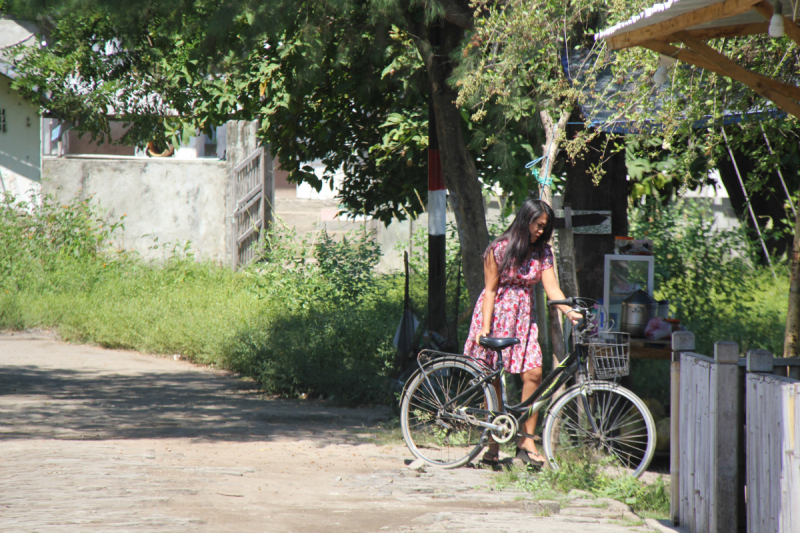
{"x":212,"y":316}
{"x":650,"y":500}
{"x":319,"y":324}
{"x":149,"y":309}
{"x":316,"y":319}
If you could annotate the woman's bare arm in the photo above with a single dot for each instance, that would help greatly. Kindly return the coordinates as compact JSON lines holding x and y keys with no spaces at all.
{"x":553,"y":292}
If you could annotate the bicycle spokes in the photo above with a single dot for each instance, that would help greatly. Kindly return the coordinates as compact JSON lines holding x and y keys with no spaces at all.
{"x":437,"y":409}
{"x":606,"y":425}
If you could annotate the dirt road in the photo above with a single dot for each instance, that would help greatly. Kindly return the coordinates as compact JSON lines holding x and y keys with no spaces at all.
{"x":101,"y":440}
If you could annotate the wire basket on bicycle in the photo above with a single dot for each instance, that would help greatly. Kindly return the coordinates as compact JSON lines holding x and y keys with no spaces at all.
{"x":609,"y":353}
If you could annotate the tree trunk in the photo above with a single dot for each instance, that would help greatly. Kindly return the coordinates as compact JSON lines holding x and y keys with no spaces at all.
{"x":458,"y":166}
{"x":790,"y":342}
{"x":610,"y":194}
{"x":552,"y":141}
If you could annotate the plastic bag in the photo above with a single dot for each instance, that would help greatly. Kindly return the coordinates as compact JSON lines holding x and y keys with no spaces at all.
{"x":657,"y":329}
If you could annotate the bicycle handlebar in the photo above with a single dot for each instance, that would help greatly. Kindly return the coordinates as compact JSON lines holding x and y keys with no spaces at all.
{"x":569,"y":301}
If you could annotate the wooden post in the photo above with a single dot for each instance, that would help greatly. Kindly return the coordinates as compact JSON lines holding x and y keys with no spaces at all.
{"x":725,"y":483}
{"x":566,"y":257}
{"x":759,"y":361}
{"x":742,"y":459}
{"x":682,"y":341}
{"x":268,"y":213}
{"x":791,"y":340}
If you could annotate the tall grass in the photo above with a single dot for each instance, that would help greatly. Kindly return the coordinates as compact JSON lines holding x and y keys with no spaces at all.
{"x":312,"y":316}
{"x":304,"y":320}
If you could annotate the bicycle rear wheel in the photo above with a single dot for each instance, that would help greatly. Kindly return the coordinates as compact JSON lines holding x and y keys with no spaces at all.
{"x":602,"y":422}
{"x":431,"y":430}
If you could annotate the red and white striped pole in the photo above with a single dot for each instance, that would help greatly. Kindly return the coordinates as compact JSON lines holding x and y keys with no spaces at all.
{"x":437,"y":222}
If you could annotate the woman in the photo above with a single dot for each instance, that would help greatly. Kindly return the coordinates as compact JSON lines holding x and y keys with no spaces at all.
{"x":513,"y":264}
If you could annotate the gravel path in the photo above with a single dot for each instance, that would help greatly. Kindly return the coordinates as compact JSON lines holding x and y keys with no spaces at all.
{"x":98,"y":440}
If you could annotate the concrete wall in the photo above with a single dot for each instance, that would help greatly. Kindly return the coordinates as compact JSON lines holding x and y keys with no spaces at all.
{"x":724,"y":215}
{"x":174,"y":200}
{"x":83,"y":144}
{"x":20,"y":142}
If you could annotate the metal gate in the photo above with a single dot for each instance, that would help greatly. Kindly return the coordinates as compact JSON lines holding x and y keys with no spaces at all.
{"x":253,"y":210}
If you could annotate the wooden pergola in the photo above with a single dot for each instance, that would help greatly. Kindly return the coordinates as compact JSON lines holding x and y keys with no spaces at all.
{"x":692,"y":22}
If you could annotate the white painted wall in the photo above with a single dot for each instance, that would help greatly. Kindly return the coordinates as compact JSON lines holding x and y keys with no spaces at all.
{"x":20,"y":143}
{"x":175,"y":200}
{"x":724,"y":215}
{"x":307,"y":192}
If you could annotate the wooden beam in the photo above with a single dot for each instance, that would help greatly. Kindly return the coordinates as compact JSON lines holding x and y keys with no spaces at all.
{"x":721,"y":10}
{"x":760,"y":84}
{"x":683,"y":54}
{"x":737,"y":30}
{"x":790,"y":27}
{"x":692,"y":58}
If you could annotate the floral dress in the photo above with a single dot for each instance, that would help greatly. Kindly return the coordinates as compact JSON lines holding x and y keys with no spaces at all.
{"x":513,"y":315}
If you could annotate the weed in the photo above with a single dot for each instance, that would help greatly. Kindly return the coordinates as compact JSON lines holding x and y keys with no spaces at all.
{"x":627,"y":523}
{"x":586,"y":474}
{"x":311,"y":317}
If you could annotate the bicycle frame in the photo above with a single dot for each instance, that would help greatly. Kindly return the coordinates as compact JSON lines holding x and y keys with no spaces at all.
{"x":574,"y":364}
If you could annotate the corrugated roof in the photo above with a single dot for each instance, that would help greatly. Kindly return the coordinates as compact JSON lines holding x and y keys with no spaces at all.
{"x":673,"y":8}
{"x":598,"y":102}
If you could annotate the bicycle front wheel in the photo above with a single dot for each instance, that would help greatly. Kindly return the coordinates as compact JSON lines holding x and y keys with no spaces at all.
{"x":602,"y":422}
{"x":435,"y":432}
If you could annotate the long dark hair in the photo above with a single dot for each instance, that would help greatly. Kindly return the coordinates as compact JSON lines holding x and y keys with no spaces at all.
{"x":519,"y":236}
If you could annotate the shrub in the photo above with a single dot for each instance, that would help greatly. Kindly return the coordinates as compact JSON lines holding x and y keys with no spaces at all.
{"x":52,"y":246}
{"x":330,"y":321}
{"x":710,"y":277}
{"x":342,"y":353}
{"x":310,"y":317}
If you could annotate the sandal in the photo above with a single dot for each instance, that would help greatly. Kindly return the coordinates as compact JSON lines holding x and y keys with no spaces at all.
{"x":491,"y":459}
{"x":530,"y":458}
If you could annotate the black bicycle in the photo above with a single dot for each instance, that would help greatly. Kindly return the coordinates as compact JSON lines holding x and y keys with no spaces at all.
{"x":449,"y":408}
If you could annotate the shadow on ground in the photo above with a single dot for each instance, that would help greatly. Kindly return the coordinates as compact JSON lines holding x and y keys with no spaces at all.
{"x":38,"y":402}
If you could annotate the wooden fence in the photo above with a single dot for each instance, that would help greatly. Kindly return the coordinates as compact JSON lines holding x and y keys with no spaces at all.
{"x":773,"y":448}
{"x":735,"y":440}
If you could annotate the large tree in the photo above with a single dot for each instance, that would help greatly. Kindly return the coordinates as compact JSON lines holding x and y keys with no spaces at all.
{"x":345,"y":82}
{"x":348,"y":82}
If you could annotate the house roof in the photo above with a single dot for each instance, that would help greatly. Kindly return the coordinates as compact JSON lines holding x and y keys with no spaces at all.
{"x":14,"y":32}
{"x":601,"y":92}
{"x":693,"y":22}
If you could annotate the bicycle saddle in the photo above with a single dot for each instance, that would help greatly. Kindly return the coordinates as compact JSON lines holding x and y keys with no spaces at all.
{"x":497,"y":343}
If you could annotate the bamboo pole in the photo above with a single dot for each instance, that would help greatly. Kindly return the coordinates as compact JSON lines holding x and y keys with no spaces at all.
{"x":747,"y":201}
{"x":780,"y":174}
{"x":790,"y":340}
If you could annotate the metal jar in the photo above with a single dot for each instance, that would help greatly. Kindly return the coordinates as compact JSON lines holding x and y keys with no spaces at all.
{"x":637,"y":310}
